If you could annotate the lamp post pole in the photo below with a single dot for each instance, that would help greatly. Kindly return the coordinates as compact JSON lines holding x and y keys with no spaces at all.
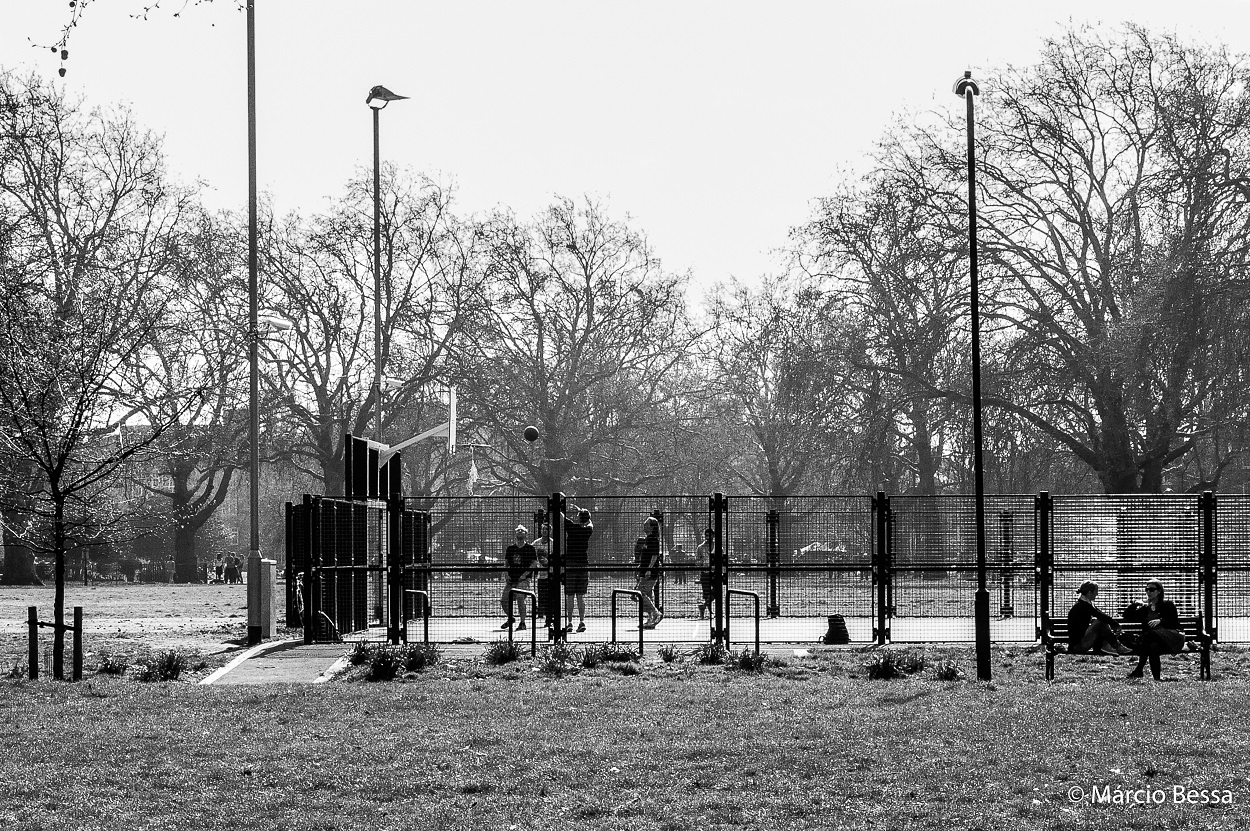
{"x":967,"y":88}
{"x":378,"y":98}
{"x":254,"y":617}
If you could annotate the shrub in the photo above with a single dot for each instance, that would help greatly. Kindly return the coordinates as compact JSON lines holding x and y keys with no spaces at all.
{"x":110,"y":664}
{"x":948,"y":671}
{"x":711,"y":652}
{"x":362,"y":653}
{"x":18,"y":671}
{"x":502,"y":652}
{"x":889,"y":664}
{"x":628,"y":668}
{"x":619,"y":653}
{"x":418,"y":656}
{"x":748,"y":661}
{"x":163,"y":666}
{"x":592,"y":656}
{"x":558,"y":659}
{"x":384,"y":663}
{"x":669,"y":653}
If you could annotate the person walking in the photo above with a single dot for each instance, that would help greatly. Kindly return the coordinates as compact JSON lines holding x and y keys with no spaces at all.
{"x":647,"y":556}
{"x":519,"y":559}
{"x":576,"y":566}
{"x":703,"y":560}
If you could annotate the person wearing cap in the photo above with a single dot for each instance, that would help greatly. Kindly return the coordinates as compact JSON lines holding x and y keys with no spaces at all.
{"x":1090,"y":629}
{"x":577,"y":531}
{"x":519,"y":559}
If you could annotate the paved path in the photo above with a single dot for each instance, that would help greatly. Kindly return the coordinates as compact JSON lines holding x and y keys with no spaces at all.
{"x":282,"y":662}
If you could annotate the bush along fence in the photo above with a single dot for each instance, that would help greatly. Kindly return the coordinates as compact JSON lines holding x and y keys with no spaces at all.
{"x":885,"y":568}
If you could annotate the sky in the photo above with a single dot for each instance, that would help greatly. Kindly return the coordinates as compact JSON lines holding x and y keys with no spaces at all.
{"x":712,"y":126}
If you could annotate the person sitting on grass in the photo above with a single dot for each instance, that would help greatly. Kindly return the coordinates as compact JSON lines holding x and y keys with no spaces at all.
{"x":1161,"y":629}
{"x":1090,"y":629}
{"x":519,"y":558}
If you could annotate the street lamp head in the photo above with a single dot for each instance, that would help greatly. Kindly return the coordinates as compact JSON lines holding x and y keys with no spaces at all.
{"x":965,"y":83}
{"x":383,"y":95}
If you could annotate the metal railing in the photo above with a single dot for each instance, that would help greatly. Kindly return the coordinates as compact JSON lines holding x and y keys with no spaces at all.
{"x":425,"y":615}
{"x":637,"y":595}
{"x":512,"y":593}
{"x":740,"y":593}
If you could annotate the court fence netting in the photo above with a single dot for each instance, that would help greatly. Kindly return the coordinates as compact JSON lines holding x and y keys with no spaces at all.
{"x":893,"y":569}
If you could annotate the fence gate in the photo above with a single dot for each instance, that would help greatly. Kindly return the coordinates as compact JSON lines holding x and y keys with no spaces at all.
{"x":359,"y":568}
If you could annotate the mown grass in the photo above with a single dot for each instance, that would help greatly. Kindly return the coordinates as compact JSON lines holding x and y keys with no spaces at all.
{"x":803,"y":744}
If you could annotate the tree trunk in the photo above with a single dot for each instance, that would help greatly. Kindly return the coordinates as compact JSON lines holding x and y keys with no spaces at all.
{"x":58,"y":605}
{"x":19,"y":564}
{"x":186,"y":566}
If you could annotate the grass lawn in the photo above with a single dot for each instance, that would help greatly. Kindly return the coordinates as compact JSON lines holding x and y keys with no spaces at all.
{"x":810,"y":743}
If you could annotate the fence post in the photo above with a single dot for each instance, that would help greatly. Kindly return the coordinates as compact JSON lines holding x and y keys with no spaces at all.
{"x":396,"y":628}
{"x":32,"y":622}
{"x":77,"y":643}
{"x":720,"y":575}
{"x":774,"y":563}
{"x":1208,"y":573}
{"x":881,"y":567}
{"x":1043,"y":568}
{"x":556,"y":507}
{"x":312,"y":564}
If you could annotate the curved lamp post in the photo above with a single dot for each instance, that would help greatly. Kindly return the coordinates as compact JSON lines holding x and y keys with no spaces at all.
{"x":967,"y":89}
{"x":378,"y":98}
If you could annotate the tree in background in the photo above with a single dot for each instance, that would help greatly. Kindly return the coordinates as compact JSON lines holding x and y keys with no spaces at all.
{"x":321,"y":278}
{"x":895,"y":265}
{"x":207,"y":349}
{"x":1111,"y":213}
{"x":89,"y":214}
{"x":582,"y":337}
{"x":778,"y":355}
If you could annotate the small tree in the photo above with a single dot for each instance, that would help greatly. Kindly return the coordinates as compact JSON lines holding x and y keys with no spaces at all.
{"x":88,"y":213}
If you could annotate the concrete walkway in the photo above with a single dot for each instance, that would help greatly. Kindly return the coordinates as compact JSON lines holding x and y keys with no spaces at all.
{"x":283,"y":662}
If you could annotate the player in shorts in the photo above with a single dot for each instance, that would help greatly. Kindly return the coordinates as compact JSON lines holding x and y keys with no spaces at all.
{"x":576,"y":566}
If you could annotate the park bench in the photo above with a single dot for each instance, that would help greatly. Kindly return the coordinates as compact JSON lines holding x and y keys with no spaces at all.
{"x":1055,"y":639}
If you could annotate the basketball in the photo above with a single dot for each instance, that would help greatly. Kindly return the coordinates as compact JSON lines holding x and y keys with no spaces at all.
{"x":531,"y":433}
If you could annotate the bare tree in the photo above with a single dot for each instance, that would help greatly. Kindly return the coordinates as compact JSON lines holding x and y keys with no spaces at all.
{"x":84,"y":300}
{"x":581,"y":338}
{"x":779,"y":360}
{"x":321,"y":279}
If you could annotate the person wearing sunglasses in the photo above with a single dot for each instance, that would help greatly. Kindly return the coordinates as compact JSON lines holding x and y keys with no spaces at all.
{"x":519,"y":558}
{"x":1160,"y":629}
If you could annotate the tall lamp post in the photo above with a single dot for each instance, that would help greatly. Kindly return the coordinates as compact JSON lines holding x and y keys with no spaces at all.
{"x":378,"y":98}
{"x":255,"y":620}
{"x":967,"y":89}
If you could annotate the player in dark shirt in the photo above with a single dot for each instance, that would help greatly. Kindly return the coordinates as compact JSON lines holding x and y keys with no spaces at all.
{"x":519,"y":559}
{"x":576,"y":566}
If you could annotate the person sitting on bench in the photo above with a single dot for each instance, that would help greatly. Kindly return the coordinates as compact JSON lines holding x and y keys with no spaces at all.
{"x":1089,"y":628}
{"x":1160,"y":629}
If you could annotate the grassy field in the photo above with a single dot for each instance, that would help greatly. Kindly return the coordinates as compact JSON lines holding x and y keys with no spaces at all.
{"x":811,"y":742}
